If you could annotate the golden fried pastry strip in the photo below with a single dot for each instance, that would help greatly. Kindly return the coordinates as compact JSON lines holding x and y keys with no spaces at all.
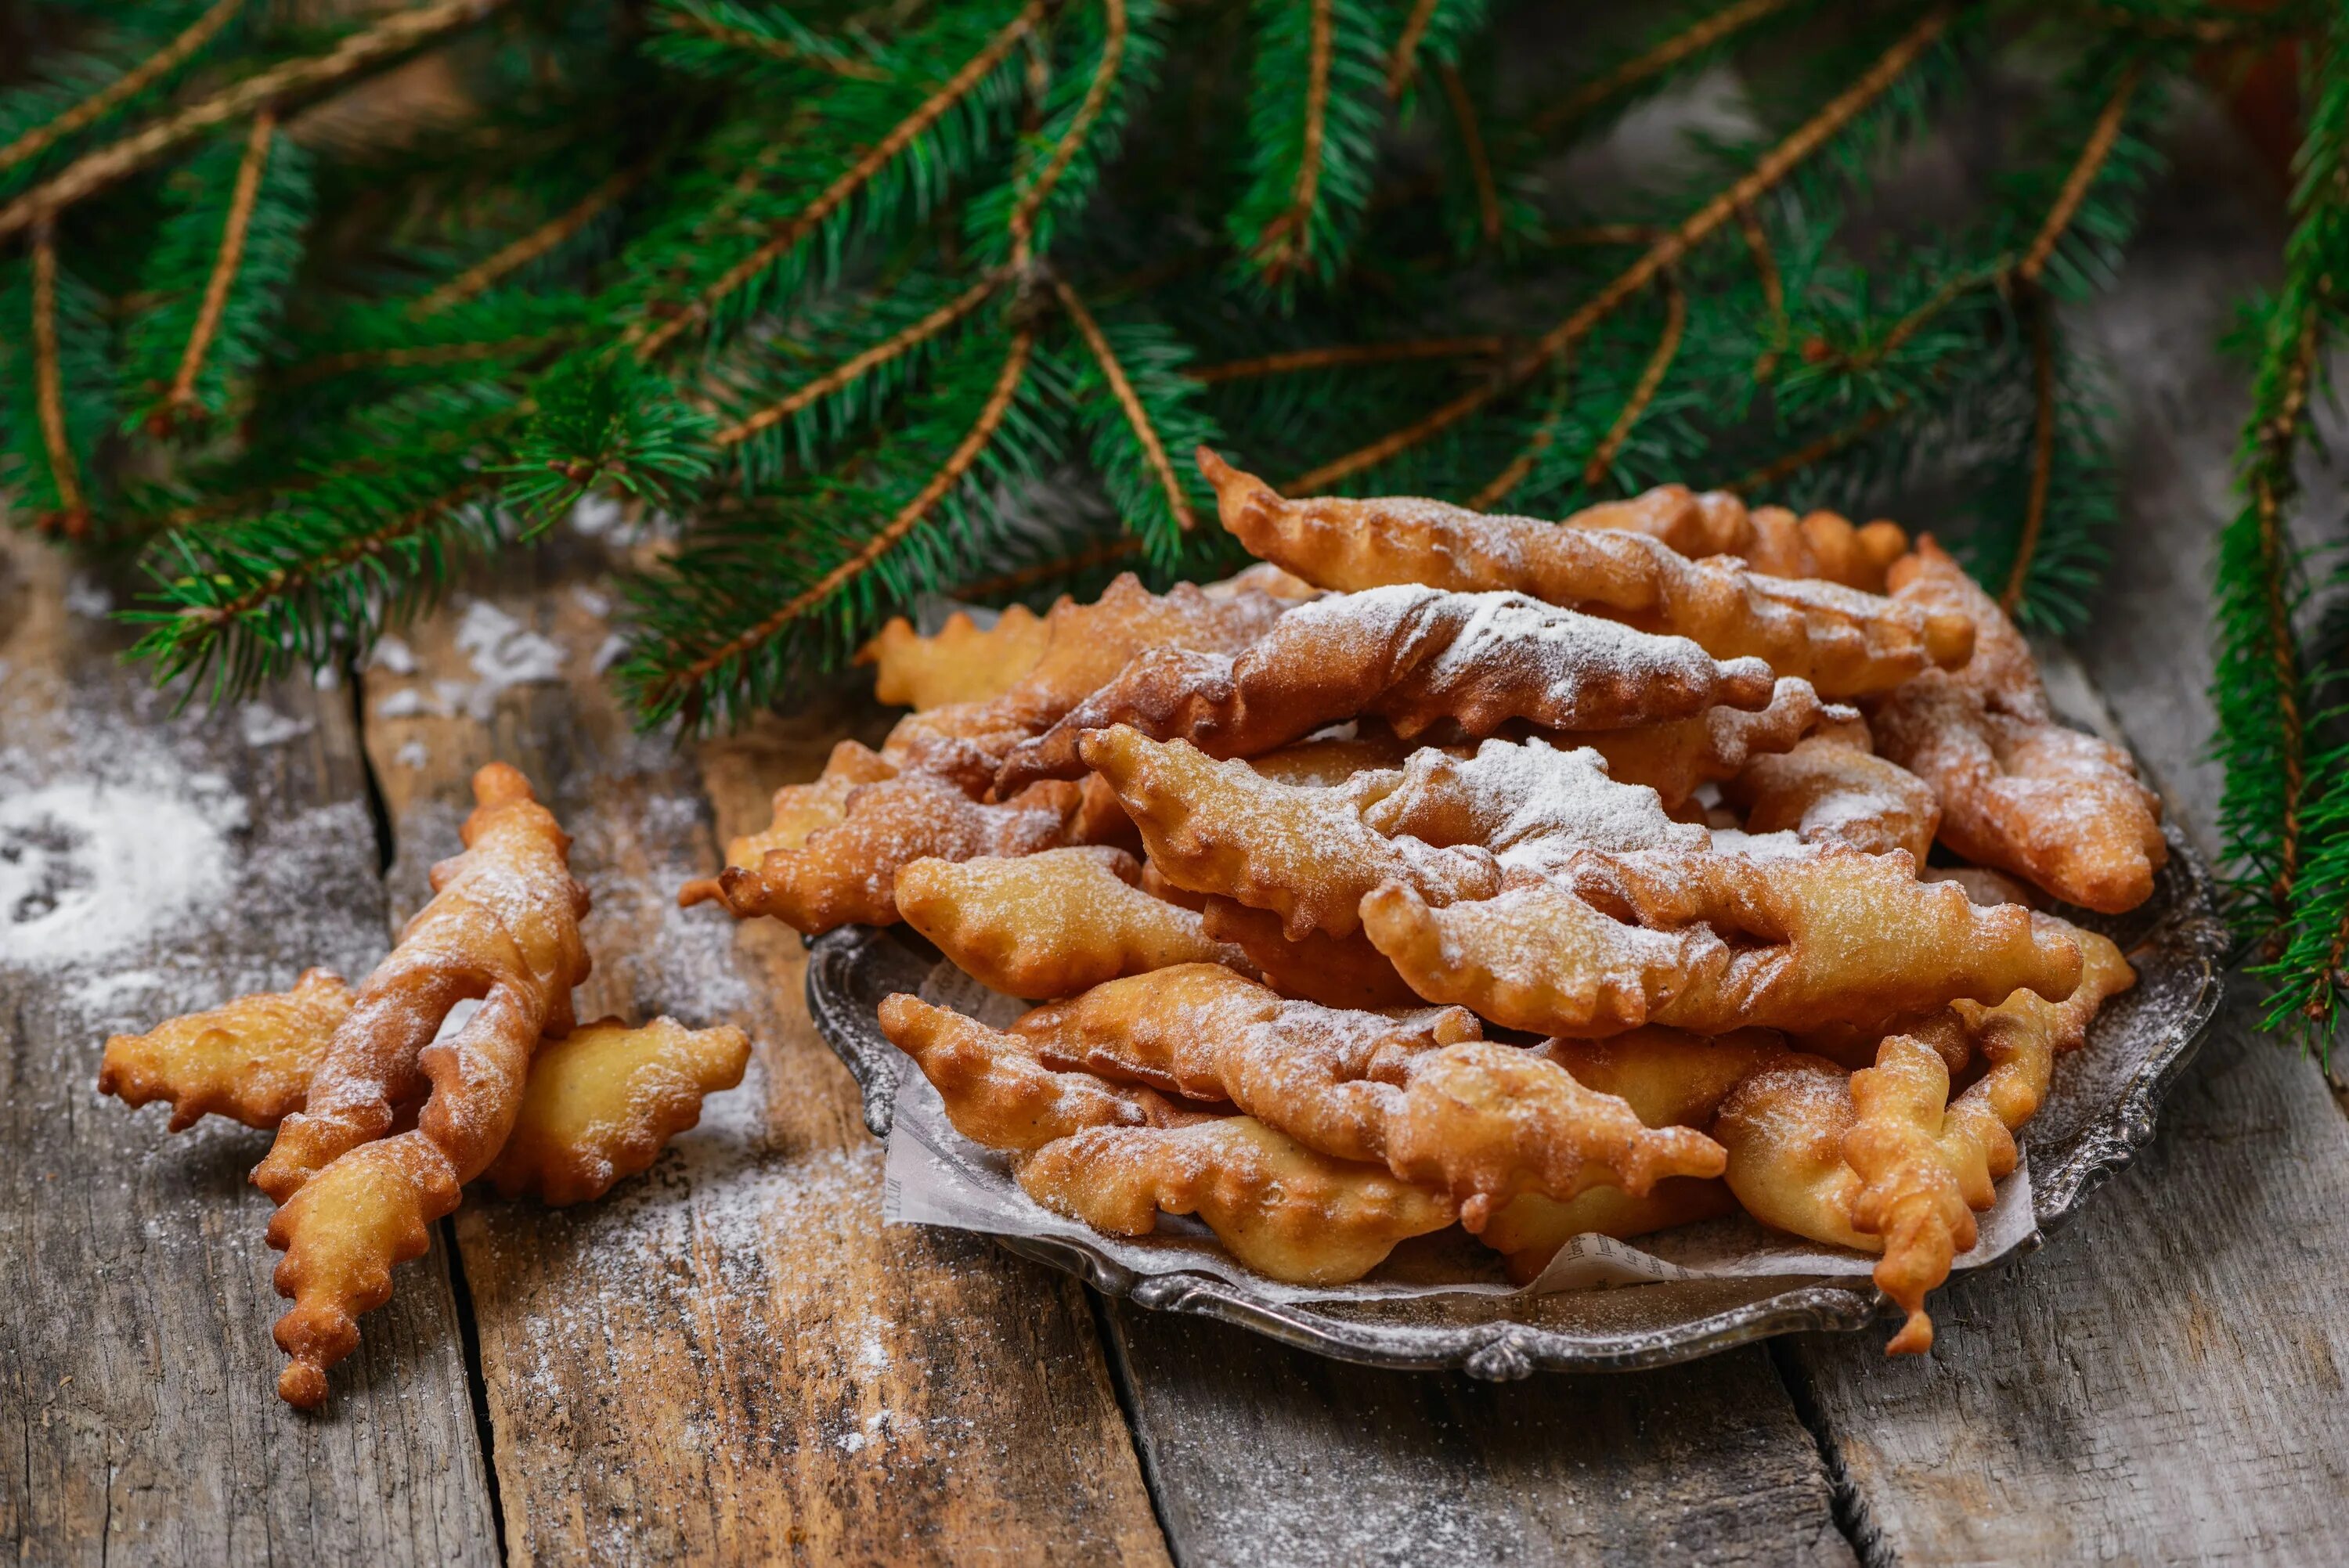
{"x":960,"y":662}
{"x":1281,"y":1209}
{"x":601,"y":1103}
{"x":1769,"y":539}
{"x":840,"y":844}
{"x":1925,"y":1162}
{"x":1331,"y":760}
{"x":2018,"y":791}
{"x":1420,"y":1092}
{"x":1783,"y":1126}
{"x":1530,"y":804}
{"x":1051,"y":924}
{"x":503,"y":924}
{"x":502,"y":927}
{"x":1335,"y":971}
{"x":1303,"y":852}
{"x":1824,"y":936}
{"x":1324,"y":1077}
{"x":249,"y":1060}
{"x":1827,"y":791}
{"x":1669,"y":1080}
{"x":998,"y":1093}
{"x":1411,"y":656}
{"x":848,"y":871}
{"x":1673,"y":759}
{"x":1844,"y":642}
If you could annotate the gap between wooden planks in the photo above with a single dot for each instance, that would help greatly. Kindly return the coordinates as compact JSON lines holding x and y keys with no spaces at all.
{"x":731,"y":1359}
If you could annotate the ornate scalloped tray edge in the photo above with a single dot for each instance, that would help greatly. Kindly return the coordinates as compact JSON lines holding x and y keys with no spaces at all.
{"x":2102,"y":1110}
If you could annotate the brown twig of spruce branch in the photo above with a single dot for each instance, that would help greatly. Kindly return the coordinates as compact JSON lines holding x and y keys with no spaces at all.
{"x":1652,"y":381}
{"x":1472,"y":147}
{"x":124,"y":87}
{"x":511,"y":258}
{"x":2270,"y":482}
{"x":368,"y":49}
{"x":1774,"y":289}
{"x":1702,"y":34}
{"x":71,"y":517}
{"x":942,"y":481}
{"x":1137,"y":417}
{"x":1292,"y":361}
{"x":1767,"y":172}
{"x":1286,"y":244}
{"x":1404,"y":63}
{"x":1022,"y":221}
{"x":652,"y":339}
{"x":180,"y":400}
{"x":679,"y":19}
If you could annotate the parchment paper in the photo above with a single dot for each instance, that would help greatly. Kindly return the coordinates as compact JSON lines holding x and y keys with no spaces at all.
{"x":935,"y":1176}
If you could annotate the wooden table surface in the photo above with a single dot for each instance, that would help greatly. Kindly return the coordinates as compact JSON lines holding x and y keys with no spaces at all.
{"x":730,"y":1359}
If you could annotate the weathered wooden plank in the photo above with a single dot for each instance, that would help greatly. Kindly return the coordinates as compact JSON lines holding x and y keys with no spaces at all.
{"x":1261,"y":1454}
{"x":729,"y":1359}
{"x":2164,"y":1382}
{"x":150,"y":865}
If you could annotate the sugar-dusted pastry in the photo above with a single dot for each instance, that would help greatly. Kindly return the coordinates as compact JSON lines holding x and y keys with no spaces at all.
{"x":1770,"y":540}
{"x":959,"y":661}
{"x":1844,"y":642}
{"x":1413,"y":656}
{"x":2019,"y":791}
{"x":249,"y":1060}
{"x":1051,"y":923}
{"x":602,"y":1102}
{"x":1786,"y":936}
{"x":1675,"y":759}
{"x":1829,"y":791}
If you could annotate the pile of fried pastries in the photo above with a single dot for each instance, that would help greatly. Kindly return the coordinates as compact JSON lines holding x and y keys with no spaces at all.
{"x":382,"y":1115}
{"x":1539,"y":878}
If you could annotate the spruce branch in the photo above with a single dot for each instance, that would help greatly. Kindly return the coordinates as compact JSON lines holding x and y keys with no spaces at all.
{"x":511,"y":258}
{"x":1694,"y":39}
{"x":711,"y":36}
{"x":1137,"y":417}
{"x":1317,"y":104}
{"x":71,"y":515}
{"x":1021,"y":225}
{"x":652,"y":340}
{"x":1472,"y":147}
{"x":190,"y":41}
{"x":1643,"y":392}
{"x":1292,"y":361}
{"x":1774,"y":289}
{"x":1767,"y":172}
{"x":1404,"y":61}
{"x":370,"y":50}
{"x":180,"y":400}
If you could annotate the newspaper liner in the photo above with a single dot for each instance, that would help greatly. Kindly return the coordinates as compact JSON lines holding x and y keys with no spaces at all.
{"x":935,"y":1176}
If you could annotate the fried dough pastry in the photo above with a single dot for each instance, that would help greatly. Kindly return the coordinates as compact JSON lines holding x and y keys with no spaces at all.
{"x":1783,"y":1126}
{"x":960,"y":662}
{"x":1769,"y":539}
{"x":1926,"y":1163}
{"x":1675,"y":759}
{"x":848,"y":871}
{"x":1335,"y":971}
{"x":1420,"y":1092}
{"x":2019,"y":791}
{"x":249,"y":1060}
{"x":1332,"y":760}
{"x":1826,"y":790}
{"x":1304,"y":852}
{"x":1844,"y":642}
{"x":1117,"y":1156}
{"x":998,"y":1093}
{"x":502,"y":927}
{"x":1279,"y":1208}
{"x":1669,"y":1080}
{"x":1824,"y":935}
{"x":601,"y":1103}
{"x":840,"y":844}
{"x":1413,"y":656}
{"x":1051,"y":923}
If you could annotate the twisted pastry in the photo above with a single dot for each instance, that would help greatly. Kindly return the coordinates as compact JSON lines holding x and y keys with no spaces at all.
{"x":1413,"y":656}
{"x":1673,"y":759}
{"x":2018,"y":791}
{"x":1422,"y":1093}
{"x":502,"y":927}
{"x":1844,"y":642}
{"x":1051,"y":923}
{"x":1829,"y":791}
{"x":1769,"y":538}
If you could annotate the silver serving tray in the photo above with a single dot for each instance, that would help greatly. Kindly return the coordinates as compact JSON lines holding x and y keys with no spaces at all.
{"x":2098,"y":1113}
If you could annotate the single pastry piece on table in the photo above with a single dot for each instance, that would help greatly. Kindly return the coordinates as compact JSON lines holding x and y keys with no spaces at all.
{"x":381,"y":1119}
